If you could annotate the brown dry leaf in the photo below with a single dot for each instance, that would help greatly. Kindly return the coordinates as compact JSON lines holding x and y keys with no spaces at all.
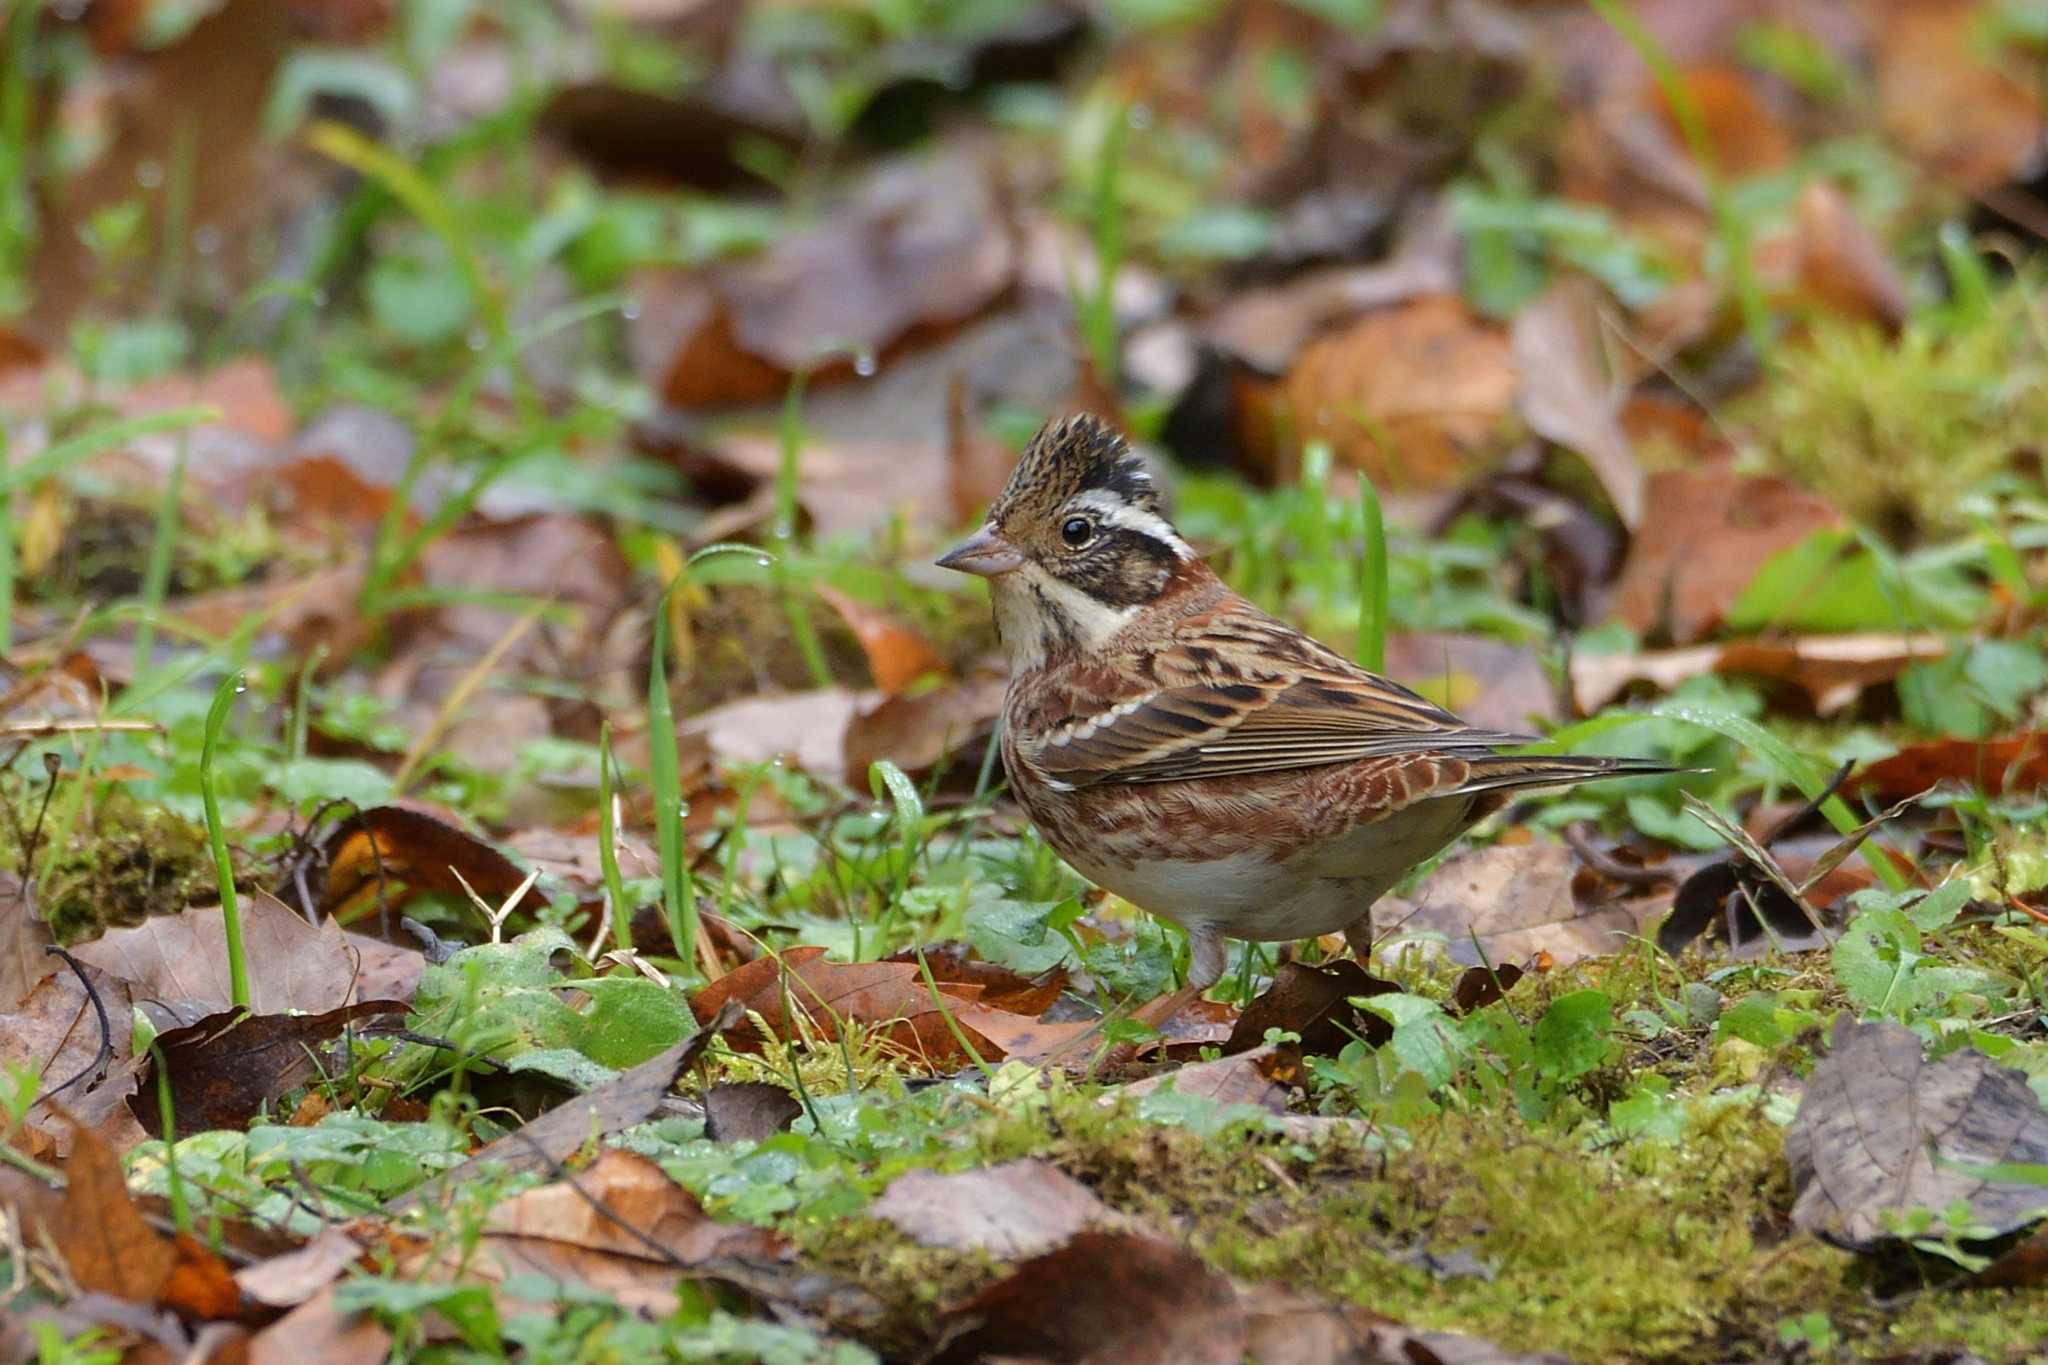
{"x":384,"y":971}
{"x":1288,"y":1327}
{"x":920,"y":249}
{"x":1706,"y":532}
{"x":245,"y":390}
{"x":318,"y":1331}
{"x":1016,"y":1209}
{"x":96,"y":1227}
{"x":226,"y":1067}
{"x":2014,"y":763}
{"x":288,"y":1280}
{"x":182,"y":960}
{"x":808,"y":728}
{"x":314,"y":612}
{"x":1941,"y":96}
{"x":1001,"y":988}
{"x":1567,"y":395}
{"x":1832,"y":670}
{"x":55,"y":1036}
{"x":388,"y":848}
{"x":1103,"y":1297}
{"x":1839,"y":263}
{"x":1246,"y":1078}
{"x":621,"y":1227}
{"x":1516,"y":900}
{"x":897,"y":655}
{"x":871,"y":993}
{"x":1489,"y":682}
{"x":218,"y":80}
{"x":1881,"y":1131}
{"x":850,"y":486}
{"x":945,"y":725}
{"x":1314,"y":1002}
{"x":748,"y":1111}
{"x":1265,"y":328}
{"x":1408,"y":394}
{"x":23,"y":936}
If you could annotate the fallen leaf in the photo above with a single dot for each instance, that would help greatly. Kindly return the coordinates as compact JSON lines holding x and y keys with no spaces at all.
{"x":1314,"y":1002}
{"x":918,"y":250}
{"x":947,"y":725}
{"x":551,"y":1139}
{"x":1001,"y":988}
{"x":318,"y":1330}
{"x":295,"y":1277}
{"x":748,"y":1111}
{"x":1016,"y":1209}
{"x":1881,"y":1132}
{"x":897,"y":655}
{"x":1489,"y":682}
{"x":1566,"y":395}
{"x":1705,"y":533}
{"x":55,"y":1036}
{"x":95,"y":1226}
{"x":2014,"y":763}
{"x":1409,"y":394}
{"x":890,"y":995}
{"x":1515,"y":900}
{"x":384,"y":848}
{"x":1839,"y":263}
{"x":1288,"y":1327}
{"x":1103,"y":1297}
{"x":182,"y":960}
{"x":23,"y":936}
{"x":1245,"y":1078}
{"x":226,"y":1067}
{"x":1941,"y":96}
{"x":1479,"y":987}
{"x":1832,"y":670}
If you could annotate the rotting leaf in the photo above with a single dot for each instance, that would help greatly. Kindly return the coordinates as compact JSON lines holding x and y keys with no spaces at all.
{"x":290,"y":1279}
{"x":319,"y":1330}
{"x":1515,"y":900}
{"x":1104,"y":1296}
{"x":918,"y":733}
{"x":1705,"y":532}
{"x":1315,"y":1003}
{"x":389,"y":846}
{"x":55,"y":1035}
{"x":823,"y":993}
{"x":1001,"y":988}
{"x":1288,"y":1327}
{"x":1019,"y":1208}
{"x":1832,"y":670}
{"x":96,"y":1227}
{"x":226,"y":1067}
{"x":621,"y":1227}
{"x":550,"y":1139}
{"x":2014,"y":763}
{"x":23,"y":936}
{"x":1567,"y":398}
{"x":748,"y":1111}
{"x":1479,"y":987}
{"x":897,"y":656}
{"x":1882,"y":1133}
{"x":181,"y":960}
{"x":919,"y":249}
{"x":1251,"y":1078}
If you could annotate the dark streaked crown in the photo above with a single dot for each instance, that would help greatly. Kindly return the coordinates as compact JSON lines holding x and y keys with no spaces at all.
{"x":1072,"y":455}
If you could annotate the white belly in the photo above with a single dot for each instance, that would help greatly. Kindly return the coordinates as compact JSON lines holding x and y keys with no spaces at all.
{"x":1318,"y":891}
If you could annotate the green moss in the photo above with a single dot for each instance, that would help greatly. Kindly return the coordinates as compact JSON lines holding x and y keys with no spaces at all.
{"x":126,"y":862}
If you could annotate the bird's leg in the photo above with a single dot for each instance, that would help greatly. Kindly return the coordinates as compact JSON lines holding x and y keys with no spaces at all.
{"x":1358,"y":934}
{"x":1205,"y":969}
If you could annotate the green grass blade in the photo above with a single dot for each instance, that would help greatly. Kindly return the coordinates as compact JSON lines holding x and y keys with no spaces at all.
{"x":664,"y":764}
{"x":216,"y":835}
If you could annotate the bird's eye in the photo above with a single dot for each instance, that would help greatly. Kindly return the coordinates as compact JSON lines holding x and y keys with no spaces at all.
{"x":1076,"y":531}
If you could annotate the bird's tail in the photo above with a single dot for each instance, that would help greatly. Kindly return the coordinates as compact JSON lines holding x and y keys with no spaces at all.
{"x":1505,"y":772}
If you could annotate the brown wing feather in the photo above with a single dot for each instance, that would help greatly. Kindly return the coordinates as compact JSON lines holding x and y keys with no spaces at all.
{"x":1239,"y":692}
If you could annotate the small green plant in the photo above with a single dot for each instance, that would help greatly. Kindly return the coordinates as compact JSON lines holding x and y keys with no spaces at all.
{"x":664,"y":763}
{"x":224,"y":696}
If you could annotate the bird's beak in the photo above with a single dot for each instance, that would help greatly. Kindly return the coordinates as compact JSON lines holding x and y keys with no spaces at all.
{"x":984,"y":553}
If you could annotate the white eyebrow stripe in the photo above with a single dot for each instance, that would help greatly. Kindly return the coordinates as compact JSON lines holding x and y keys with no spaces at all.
{"x":1115,"y":511}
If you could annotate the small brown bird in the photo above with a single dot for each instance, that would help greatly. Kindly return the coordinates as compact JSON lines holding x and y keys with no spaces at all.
{"x":1193,"y":754}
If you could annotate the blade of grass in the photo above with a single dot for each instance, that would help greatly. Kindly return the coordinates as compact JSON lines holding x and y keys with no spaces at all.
{"x":1730,"y":227}
{"x":101,"y":438}
{"x":608,"y":843}
{"x":216,"y":836}
{"x":1372,"y":585}
{"x":664,"y":765}
{"x":6,"y":550}
{"x":156,"y":578}
{"x":793,"y":604}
